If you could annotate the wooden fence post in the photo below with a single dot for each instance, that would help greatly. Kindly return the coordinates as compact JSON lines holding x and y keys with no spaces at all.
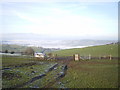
{"x":76,"y":57}
{"x":89,"y":56}
{"x":110,"y":57}
{"x":99,"y":57}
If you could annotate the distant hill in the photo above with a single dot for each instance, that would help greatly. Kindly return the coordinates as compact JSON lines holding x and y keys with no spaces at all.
{"x":100,"y":50}
{"x":63,"y":44}
{"x":20,"y":48}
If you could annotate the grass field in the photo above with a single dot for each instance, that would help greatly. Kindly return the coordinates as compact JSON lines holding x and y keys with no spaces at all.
{"x":102,"y":50}
{"x":91,"y":74}
{"x":80,"y":74}
{"x":17,"y":71}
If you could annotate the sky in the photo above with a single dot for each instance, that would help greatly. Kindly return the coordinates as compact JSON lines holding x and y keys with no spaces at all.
{"x":73,"y":20}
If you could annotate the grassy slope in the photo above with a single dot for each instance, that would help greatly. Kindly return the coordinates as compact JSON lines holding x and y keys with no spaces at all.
{"x":94,"y":51}
{"x":83,"y":74}
{"x":91,"y":74}
{"x":20,"y":48}
{"x":17,"y":48}
{"x":12,"y":61}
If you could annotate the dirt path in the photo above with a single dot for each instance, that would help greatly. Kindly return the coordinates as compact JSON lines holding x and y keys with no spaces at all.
{"x":20,"y":65}
{"x":50,"y":84}
{"x":35,"y":78}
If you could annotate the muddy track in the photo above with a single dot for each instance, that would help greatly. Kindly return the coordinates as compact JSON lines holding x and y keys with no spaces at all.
{"x":42,"y":75}
{"x":50,"y":84}
{"x":35,"y":78}
{"x":21,"y":65}
{"x":53,"y":82}
{"x":31,"y":81}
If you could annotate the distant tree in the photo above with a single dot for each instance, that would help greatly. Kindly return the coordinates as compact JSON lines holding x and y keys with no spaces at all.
{"x":50,"y":54}
{"x":6,"y":51}
{"x":12,"y":52}
{"x":29,"y":51}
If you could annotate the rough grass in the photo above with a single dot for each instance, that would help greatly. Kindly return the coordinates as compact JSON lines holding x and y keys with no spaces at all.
{"x":91,"y":74}
{"x":49,"y":78}
{"x":94,"y":51}
{"x":10,"y":61}
{"x":80,"y":74}
{"x":19,"y":75}
{"x":25,"y":74}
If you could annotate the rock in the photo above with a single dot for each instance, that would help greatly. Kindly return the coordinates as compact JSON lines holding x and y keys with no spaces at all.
{"x":33,"y":72}
{"x":55,"y":68}
{"x":59,"y":83}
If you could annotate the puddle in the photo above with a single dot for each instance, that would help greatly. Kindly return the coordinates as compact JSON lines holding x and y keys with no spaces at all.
{"x":32,"y":80}
{"x":61,"y":85}
{"x":53,"y":67}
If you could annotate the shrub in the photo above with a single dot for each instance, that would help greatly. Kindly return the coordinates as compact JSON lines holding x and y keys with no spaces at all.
{"x":6,"y":51}
{"x":29,"y":51}
{"x":12,"y":52}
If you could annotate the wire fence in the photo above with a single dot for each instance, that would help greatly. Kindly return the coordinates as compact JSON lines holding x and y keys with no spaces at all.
{"x":86,"y":58}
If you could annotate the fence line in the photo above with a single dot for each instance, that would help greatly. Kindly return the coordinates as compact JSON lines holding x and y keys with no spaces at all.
{"x":85,"y":58}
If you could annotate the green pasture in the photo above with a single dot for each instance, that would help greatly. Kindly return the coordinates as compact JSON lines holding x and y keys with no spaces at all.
{"x":91,"y":74}
{"x":80,"y":74}
{"x":101,"y":50}
{"x":15,"y":60}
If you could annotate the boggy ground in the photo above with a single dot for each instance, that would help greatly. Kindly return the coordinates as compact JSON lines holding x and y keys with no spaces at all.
{"x":31,"y":74}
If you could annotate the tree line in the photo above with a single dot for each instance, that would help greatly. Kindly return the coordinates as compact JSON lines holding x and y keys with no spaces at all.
{"x":28,"y":51}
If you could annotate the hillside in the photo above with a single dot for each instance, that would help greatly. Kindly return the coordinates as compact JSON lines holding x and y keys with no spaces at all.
{"x":20,"y":48}
{"x":63,"y":44}
{"x":93,"y":50}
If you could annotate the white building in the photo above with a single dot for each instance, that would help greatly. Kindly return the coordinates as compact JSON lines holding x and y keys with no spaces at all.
{"x":39,"y":55}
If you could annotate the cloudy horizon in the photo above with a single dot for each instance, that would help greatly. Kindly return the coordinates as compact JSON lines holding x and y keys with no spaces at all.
{"x":61,"y":20}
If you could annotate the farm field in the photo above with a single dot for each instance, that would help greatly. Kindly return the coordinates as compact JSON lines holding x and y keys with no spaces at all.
{"x":29,"y":72}
{"x":91,"y":74}
{"x":80,"y":74}
{"x":25,"y":72}
{"x":97,"y":51}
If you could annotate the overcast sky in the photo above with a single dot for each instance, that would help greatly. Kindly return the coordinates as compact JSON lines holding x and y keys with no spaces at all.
{"x":61,"y":19}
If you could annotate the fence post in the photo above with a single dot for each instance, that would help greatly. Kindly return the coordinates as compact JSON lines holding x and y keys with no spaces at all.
{"x":76,"y":57}
{"x":89,"y":56}
{"x":110,"y":57}
{"x":99,"y":57}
